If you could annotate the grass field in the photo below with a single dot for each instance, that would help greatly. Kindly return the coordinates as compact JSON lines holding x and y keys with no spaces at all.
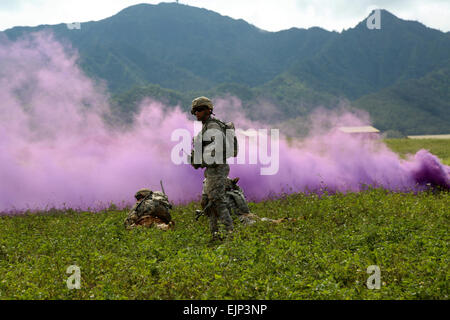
{"x":438,"y":147}
{"x":322,"y":255}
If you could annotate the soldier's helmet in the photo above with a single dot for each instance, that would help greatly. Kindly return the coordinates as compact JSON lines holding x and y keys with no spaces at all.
{"x":142,"y":193}
{"x":201,"y":102}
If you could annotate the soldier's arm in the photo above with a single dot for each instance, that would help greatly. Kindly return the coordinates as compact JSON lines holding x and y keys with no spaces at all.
{"x":132,"y":215}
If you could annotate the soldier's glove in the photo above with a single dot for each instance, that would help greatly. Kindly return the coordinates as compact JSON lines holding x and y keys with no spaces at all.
{"x":198,"y":214}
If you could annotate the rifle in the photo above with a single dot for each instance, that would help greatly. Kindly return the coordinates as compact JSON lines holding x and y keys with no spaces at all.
{"x":199,"y":213}
{"x":162,"y":189}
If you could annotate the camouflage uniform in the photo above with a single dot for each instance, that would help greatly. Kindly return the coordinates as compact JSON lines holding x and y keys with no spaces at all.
{"x":152,"y":209}
{"x":214,"y":191}
{"x":237,"y":204}
{"x":215,"y":173}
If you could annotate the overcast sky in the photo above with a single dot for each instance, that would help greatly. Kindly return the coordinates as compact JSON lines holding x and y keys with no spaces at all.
{"x":271,"y":15}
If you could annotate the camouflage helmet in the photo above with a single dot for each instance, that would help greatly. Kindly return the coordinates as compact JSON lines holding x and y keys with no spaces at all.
{"x":201,"y":101}
{"x":142,"y":193}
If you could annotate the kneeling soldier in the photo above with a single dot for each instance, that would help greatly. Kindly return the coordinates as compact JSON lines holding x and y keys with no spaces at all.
{"x":151,"y":209}
{"x":237,"y":205}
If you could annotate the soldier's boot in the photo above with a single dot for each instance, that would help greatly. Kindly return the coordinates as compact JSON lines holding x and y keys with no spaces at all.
{"x":213,"y":224}
{"x":225,"y":218}
{"x":216,"y":237}
{"x":215,"y":234}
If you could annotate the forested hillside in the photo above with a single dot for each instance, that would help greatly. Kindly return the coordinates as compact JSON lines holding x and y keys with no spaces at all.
{"x":173,"y":52}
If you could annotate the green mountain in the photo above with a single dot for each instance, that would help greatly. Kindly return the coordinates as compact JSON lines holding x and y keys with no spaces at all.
{"x":183,"y":48}
{"x":360,"y":61}
{"x":175,"y":52}
{"x":415,"y":106}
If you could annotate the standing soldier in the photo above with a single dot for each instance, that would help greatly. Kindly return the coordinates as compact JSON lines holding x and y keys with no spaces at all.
{"x":210,"y":152}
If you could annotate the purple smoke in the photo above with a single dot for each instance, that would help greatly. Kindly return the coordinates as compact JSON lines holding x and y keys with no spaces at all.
{"x":56,"y":151}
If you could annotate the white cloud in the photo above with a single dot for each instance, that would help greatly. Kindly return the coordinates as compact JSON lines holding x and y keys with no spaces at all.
{"x":328,"y":14}
{"x":268,"y":15}
{"x":36,"y":12}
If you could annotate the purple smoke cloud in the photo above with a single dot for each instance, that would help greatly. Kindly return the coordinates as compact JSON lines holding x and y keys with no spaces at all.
{"x":56,"y":150}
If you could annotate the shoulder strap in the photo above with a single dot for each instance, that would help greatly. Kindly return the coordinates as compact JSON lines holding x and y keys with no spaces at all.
{"x":220,"y":123}
{"x":143,"y":200}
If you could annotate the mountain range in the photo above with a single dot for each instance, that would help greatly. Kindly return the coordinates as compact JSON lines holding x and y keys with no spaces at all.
{"x":399,"y":73}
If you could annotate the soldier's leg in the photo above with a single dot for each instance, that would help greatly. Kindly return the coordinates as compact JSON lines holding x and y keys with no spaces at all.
{"x":213,"y":226}
{"x":209,"y":212}
{"x":223,"y":213}
{"x":214,"y":188}
{"x":204,"y":201}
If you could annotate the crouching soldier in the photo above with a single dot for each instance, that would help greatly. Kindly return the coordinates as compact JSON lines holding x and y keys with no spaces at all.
{"x":151,"y":209}
{"x":237,"y":205}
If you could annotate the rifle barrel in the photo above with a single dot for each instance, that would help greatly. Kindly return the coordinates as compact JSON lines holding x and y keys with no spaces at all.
{"x":162,"y":188}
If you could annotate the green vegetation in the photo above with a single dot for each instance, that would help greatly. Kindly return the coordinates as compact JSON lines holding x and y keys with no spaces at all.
{"x":322,"y":255}
{"x":417,"y":106}
{"x":438,"y":147}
